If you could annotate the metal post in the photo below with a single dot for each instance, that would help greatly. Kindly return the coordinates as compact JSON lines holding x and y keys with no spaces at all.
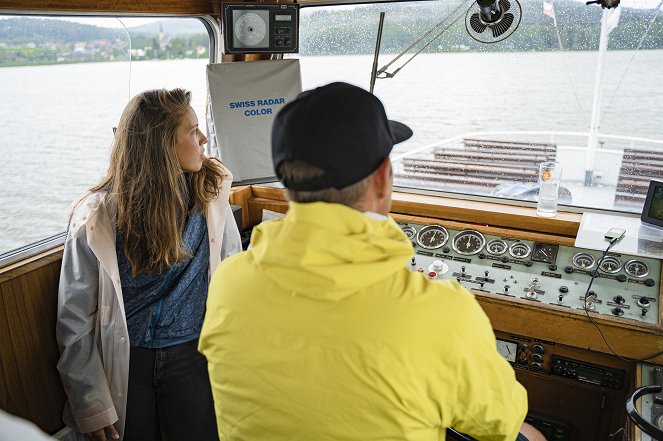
{"x":374,"y":71}
{"x":592,"y":140}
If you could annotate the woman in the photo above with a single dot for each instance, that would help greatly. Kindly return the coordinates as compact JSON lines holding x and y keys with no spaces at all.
{"x":138,"y":256}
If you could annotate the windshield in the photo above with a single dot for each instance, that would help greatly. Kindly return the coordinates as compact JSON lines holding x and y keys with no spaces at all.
{"x":486,"y":113}
{"x":64,"y":81}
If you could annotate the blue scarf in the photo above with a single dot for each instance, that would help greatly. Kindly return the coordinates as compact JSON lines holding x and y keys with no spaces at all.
{"x":168,"y":308}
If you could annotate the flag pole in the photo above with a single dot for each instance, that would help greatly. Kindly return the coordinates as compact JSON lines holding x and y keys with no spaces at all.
{"x":593,"y":138}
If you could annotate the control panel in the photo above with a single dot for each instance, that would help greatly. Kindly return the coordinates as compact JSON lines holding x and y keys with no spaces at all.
{"x":623,"y":286}
{"x":543,"y":356}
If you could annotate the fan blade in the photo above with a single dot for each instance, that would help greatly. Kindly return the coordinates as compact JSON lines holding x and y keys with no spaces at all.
{"x":476,"y":24}
{"x":503,"y":25}
{"x":505,"y":5}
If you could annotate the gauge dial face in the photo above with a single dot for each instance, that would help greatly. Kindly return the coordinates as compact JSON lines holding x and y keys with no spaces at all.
{"x":583,"y":261}
{"x":432,"y":237}
{"x":610,"y":264}
{"x":250,"y":29}
{"x":409,"y":231}
{"x":520,"y":250}
{"x":636,"y":268}
{"x":468,"y":242}
{"x":507,"y":349}
{"x":545,"y":252}
{"x":496,"y":247}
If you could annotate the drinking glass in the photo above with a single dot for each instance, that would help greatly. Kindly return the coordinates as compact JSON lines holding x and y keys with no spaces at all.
{"x":550,"y":176}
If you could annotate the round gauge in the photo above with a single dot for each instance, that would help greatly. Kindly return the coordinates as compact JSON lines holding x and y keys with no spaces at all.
{"x":496,"y":247}
{"x":409,"y":231}
{"x":432,"y":237}
{"x":636,"y":268}
{"x":468,"y":242}
{"x":610,"y":264}
{"x":250,"y":29}
{"x":583,"y":261}
{"x":520,"y":250}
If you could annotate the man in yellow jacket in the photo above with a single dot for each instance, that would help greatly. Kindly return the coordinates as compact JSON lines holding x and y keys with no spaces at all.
{"x":319,"y":332}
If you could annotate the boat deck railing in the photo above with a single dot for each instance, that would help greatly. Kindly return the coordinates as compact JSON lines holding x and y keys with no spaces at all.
{"x":509,"y":160}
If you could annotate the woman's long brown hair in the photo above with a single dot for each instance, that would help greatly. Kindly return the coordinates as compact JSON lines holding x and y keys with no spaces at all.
{"x":152,"y":193}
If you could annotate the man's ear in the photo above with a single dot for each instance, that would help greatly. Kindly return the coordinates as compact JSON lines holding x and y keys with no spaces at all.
{"x":383,"y":179}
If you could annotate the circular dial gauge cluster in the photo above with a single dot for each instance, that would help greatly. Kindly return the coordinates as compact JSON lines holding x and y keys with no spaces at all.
{"x":432,"y":237}
{"x":468,"y":242}
{"x":520,"y":250}
{"x":636,"y":268}
{"x":610,"y":265}
{"x":583,"y":261}
{"x":496,"y":247}
{"x":409,"y":231}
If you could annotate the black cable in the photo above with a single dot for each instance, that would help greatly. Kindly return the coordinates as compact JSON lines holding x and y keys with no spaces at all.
{"x":594,"y":274}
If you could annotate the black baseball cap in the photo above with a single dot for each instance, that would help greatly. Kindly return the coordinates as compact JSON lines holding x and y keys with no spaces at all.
{"x":341,"y":128}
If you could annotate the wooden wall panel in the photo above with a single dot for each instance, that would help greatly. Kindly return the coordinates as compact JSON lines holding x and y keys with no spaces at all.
{"x":29,"y":382}
{"x":196,"y":7}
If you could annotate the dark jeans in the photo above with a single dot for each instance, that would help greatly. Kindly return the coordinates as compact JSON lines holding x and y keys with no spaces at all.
{"x":169,"y":396}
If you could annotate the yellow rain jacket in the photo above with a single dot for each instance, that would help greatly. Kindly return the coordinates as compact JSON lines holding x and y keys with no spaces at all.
{"x":319,"y":332}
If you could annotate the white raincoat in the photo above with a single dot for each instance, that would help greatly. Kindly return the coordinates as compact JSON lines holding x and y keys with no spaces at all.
{"x":91,"y":324}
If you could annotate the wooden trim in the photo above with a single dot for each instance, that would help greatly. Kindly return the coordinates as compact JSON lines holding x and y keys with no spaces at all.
{"x":257,"y":205}
{"x":240,"y":196}
{"x":189,"y":7}
{"x":472,"y":212}
{"x":31,"y":263}
{"x":570,"y":327}
{"x":485,"y":213}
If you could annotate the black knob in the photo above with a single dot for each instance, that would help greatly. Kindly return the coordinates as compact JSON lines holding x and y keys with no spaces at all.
{"x":644,"y":312}
{"x":538,"y":349}
{"x":650,"y":282}
{"x":552,"y":267}
{"x":522,"y":360}
{"x":528,"y":263}
{"x":537,"y":357}
{"x":504,"y":259}
{"x":485,"y":273}
{"x":560,"y":298}
{"x":621,"y":278}
{"x":619,"y":300}
{"x":506,"y":288}
{"x":462,"y":269}
{"x":446,"y":249}
{"x":563,"y":289}
{"x":413,"y":262}
{"x":591,"y":294}
{"x":482,"y":255}
{"x":568,"y":269}
{"x":618,"y":311}
{"x":643,"y":301}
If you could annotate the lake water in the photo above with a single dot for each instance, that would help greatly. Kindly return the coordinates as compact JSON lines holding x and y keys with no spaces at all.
{"x":56,"y":121}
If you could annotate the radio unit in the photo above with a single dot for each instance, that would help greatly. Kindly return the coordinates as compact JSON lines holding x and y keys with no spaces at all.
{"x":587,"y":372}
